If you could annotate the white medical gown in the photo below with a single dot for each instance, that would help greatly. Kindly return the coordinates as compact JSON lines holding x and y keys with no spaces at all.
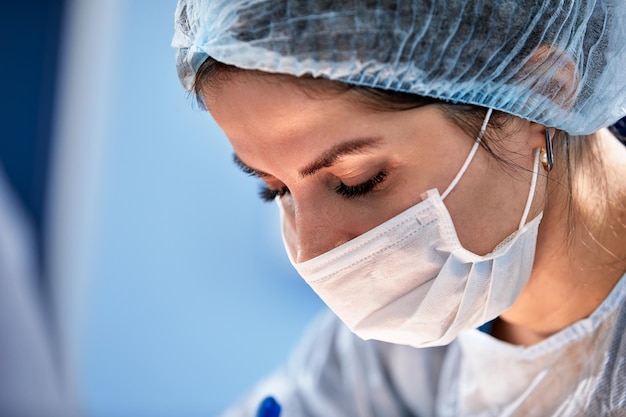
{"x":580,"y":371}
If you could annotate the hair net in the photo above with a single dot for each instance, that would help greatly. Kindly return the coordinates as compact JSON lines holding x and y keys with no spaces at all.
{"x":561,"y":63}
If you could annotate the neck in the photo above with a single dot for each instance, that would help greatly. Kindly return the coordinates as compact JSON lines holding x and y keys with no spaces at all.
{"x":579,"y":258}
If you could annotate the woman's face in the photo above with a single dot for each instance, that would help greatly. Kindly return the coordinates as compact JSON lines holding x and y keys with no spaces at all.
{"x":342,"y":168}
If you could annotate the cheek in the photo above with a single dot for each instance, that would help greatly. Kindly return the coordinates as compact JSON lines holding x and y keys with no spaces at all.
{"x":287,"y":216}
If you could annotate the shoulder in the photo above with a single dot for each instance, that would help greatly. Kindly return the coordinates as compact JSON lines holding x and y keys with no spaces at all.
{"x":610,"y":391}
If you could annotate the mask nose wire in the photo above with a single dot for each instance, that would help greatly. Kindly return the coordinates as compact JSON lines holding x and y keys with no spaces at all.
{"x":470,"y":156}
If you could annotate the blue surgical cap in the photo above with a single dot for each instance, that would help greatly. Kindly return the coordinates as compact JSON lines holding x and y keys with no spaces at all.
{"x":561,"y":63}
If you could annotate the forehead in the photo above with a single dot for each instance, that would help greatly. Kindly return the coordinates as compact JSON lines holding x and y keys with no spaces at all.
{"x":246,"y":103}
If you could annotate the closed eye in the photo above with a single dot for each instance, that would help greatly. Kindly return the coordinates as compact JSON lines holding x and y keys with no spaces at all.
{"x":352,"y":191}
{"x":347,"y":191}
{"x":269,"y":194}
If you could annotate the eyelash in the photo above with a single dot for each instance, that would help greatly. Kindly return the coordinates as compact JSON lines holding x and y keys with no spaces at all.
{"x":268,"y":195}
{"x":352,"y":191}
{"x":347,"y":191}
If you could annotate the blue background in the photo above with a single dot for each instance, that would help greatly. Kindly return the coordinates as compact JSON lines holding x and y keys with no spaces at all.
{"x":188,"y":297}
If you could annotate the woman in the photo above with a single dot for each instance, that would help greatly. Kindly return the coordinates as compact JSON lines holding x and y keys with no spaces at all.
{"x":447,"y":186}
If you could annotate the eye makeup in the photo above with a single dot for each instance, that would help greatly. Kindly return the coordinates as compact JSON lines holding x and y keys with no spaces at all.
{"x":358,"y":190}
{"x":268,"y":194}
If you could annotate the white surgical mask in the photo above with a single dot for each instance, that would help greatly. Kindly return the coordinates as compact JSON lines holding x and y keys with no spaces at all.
{"x":409,"y":280}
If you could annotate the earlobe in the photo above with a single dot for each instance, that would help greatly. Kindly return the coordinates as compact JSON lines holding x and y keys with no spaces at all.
{"x":546,"y":155}
{"x":542,"y":137}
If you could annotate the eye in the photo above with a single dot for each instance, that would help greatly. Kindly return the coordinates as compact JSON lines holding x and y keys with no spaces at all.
{"x":351,"y":191}
{"x":268,"y":194}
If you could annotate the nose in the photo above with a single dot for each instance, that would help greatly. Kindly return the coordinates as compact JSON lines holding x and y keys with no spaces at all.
{"x":312,"y":228}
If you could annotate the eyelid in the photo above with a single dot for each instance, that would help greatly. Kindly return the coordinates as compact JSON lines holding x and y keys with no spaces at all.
{"x":248,"y":170}
{"x":358,"y":190}
{"x":268,"y":194}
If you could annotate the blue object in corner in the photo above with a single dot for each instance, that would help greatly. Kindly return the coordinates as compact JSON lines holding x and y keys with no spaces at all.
{"x":269,"y":407}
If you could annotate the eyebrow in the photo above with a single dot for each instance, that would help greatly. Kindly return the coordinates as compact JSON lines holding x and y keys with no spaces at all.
{"x":329,"y":158}
{"x":326,"y":159}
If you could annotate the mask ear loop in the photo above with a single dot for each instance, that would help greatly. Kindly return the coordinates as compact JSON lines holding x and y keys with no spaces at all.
{"x":531,"y":193}
{"x":470,"y":156}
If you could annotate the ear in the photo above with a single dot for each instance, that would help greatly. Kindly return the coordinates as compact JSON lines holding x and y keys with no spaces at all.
{"x":553,"y":73}
{"x":537,"y":138}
